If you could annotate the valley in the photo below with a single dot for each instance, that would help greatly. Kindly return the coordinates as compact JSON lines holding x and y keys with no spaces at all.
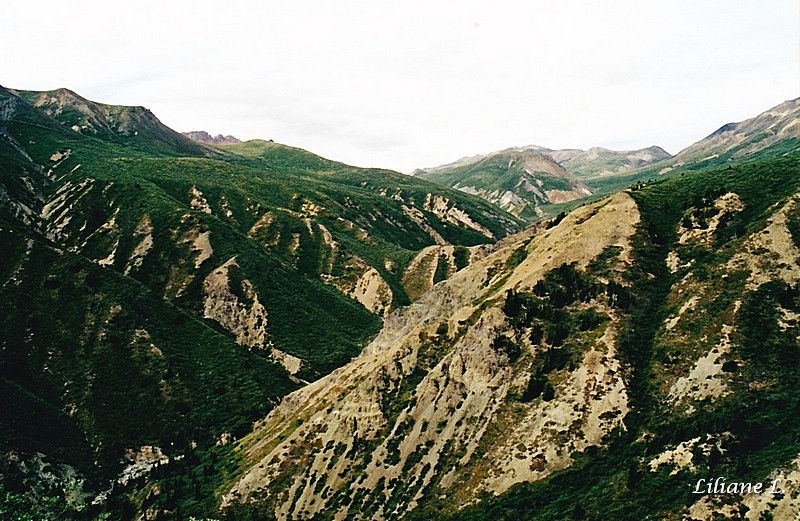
{"x":195,"y":326}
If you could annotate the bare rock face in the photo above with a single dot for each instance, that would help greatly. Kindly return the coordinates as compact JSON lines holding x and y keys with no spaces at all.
{"x":433,"y":402}
{"x":445,"y":210}
{"x":201,"y":136}
{"x":237,"y":309}
{"x":364,"y":284}
{"x":434,"y":264}
{"x":144,"y":234}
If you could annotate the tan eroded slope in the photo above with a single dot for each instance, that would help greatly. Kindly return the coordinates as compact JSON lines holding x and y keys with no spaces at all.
{"x":425,"y":404}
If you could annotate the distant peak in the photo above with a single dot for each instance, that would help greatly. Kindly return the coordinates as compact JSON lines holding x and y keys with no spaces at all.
{"x":201,"y":136}
{"x":62,"y":95}
{"x":724,"y":128}
{"x":657,"y":150}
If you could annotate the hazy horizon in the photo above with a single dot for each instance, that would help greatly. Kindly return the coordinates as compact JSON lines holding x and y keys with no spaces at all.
{"x":412,"y":85}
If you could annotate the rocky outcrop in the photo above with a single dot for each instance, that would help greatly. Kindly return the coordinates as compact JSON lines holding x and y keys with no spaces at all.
{"x":435,"y":264}
{"x":778,"y":499}
{"x":198,"y":201}
{"x":364,"y":284}
{"x":237,"y":309}
{"x":144,"y":233}
{"x":447,"y":211}
{"x":201,"y":136}
{"x":772,"y":253}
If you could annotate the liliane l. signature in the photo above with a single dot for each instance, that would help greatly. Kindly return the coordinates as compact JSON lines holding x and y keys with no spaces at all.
{"x":720,"y":486}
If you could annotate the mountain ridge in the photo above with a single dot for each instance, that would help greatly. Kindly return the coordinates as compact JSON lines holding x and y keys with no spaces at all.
{"x":772,"y":132}
{"x":598,"y":161}
{"x":627,"y":158}
{"x":750,"y":135}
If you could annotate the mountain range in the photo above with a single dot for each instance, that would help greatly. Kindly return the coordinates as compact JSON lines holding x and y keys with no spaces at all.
{"x":201,"y":327}
{"x":600,"y":162}
{"x":525,"y":181}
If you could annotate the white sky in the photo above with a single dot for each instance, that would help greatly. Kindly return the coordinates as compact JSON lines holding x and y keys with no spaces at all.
{"x":406,"y":84}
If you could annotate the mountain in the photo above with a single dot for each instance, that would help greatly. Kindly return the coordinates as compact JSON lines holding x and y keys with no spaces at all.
{"x":775,"y":131}
{"x":352,"y":228}
{"x":159,"y":295}
{"x":515,"y":178}
{"x":595,"y":370}
{"x":201,"y":136}
{"x":518,"y":180}
{"x":600,"y":162}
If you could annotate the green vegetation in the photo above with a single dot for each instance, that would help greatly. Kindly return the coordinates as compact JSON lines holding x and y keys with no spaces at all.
{"x":442,"y":269}
{"x":519,"y":255}
{"x":461,"y":257}
{"x":108,"y":338}
{"x":554,"y":317}
{"x":648,"y":174}
{"x":600,"y":162}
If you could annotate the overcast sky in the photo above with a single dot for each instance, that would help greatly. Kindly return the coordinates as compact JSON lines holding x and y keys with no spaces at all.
{"x":406,"y":84}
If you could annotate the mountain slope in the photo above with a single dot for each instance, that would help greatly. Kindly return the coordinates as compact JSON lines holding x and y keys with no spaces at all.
{"x":518,"y":180}
{"x":118,"y":207}
{"x":440,"y":372}
{"x":158,"y":296}
{"x":564,"y":375}
{"x":772,"y":133}
{"x":137,"y":330}
{"x":144,"y":213}
{"x":323,"y":217}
